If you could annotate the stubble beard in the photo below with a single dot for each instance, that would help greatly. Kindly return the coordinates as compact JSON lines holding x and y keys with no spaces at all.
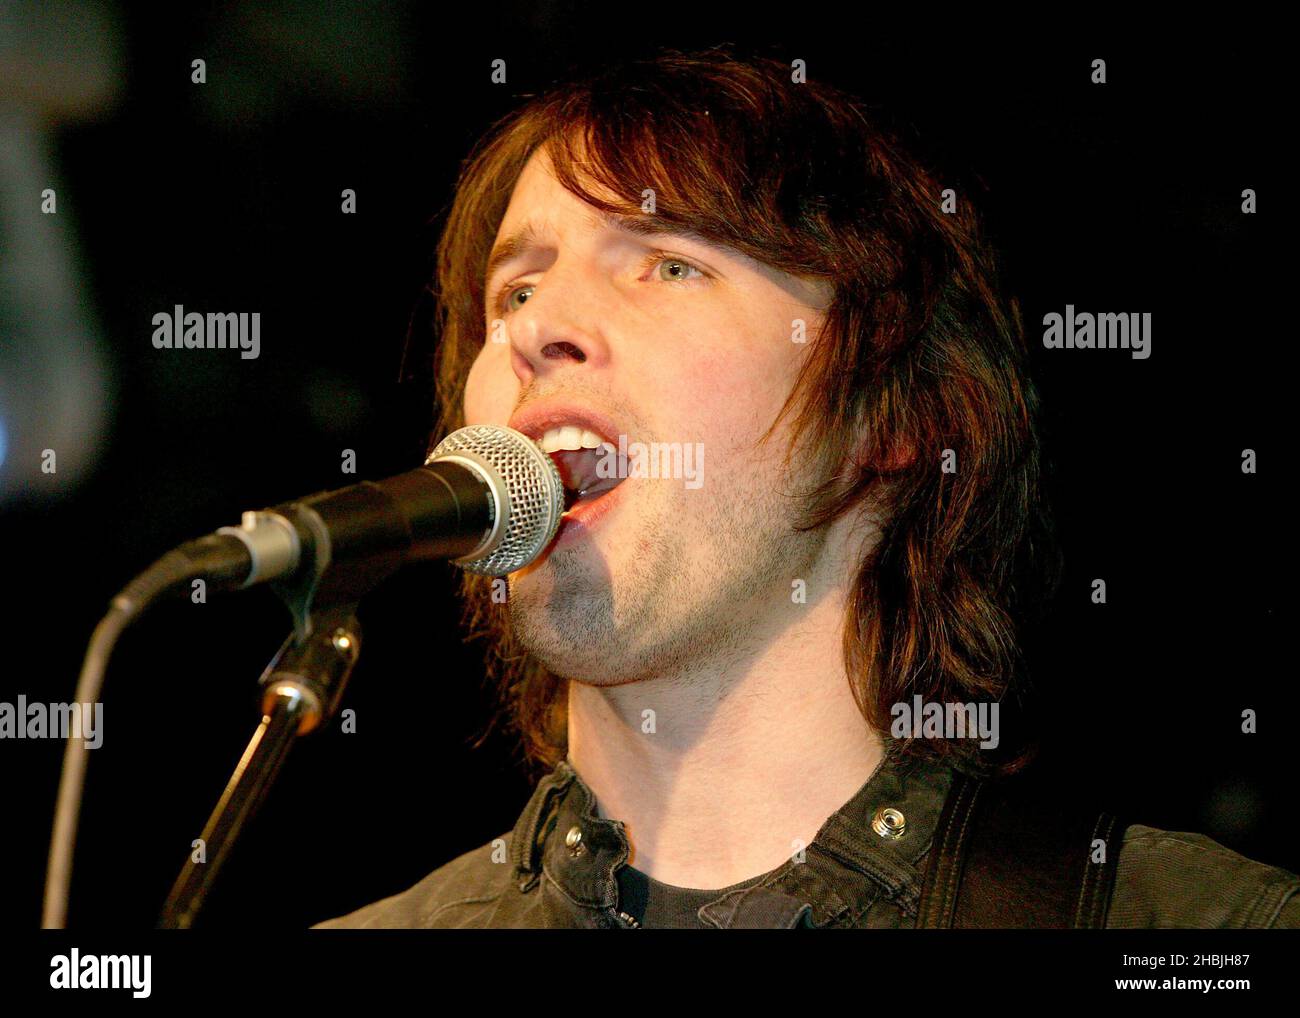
{"x":690,"y":592}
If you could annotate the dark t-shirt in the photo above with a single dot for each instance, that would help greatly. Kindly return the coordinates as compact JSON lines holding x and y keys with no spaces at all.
{"x":659,"y":906}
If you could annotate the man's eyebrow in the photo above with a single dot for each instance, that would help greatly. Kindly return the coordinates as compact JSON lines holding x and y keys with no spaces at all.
{"x":528,"y":237}
{"x":518,"y":243}
{"x":650,"y":226}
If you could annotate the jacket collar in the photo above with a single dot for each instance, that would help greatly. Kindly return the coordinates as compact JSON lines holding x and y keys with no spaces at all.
{"x":854,"y":859}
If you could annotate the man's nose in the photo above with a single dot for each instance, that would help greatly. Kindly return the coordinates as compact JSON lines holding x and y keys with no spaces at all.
{"x":557,"y":328}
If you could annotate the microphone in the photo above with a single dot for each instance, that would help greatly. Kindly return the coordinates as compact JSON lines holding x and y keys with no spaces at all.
{"x":487,"y":499}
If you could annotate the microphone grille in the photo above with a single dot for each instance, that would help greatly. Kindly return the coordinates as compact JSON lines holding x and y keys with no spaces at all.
{"x":528,"y":487}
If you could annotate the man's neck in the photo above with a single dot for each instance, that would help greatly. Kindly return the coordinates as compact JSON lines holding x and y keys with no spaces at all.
{"x":737,"y":767}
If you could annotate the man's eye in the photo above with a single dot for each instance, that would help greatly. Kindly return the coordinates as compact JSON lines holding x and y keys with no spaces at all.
{"x":675,"y":270}
{"x":512,"y":294}
{"x":671,"y":270}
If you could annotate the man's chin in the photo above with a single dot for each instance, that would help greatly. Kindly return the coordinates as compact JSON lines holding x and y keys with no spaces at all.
{"x":597,"y":664}
{"x":551,"y":614}
{"x":573,"y":580}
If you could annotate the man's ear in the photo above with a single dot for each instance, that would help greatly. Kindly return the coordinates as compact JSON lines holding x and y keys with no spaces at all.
{"x":902,"y":456}
{"x":899,"y":456}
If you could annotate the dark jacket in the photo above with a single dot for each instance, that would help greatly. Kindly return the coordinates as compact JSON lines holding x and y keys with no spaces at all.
{"x":556,"y":869}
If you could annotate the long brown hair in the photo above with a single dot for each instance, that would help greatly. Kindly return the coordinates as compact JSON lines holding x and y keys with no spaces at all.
{"x":920,"y":366}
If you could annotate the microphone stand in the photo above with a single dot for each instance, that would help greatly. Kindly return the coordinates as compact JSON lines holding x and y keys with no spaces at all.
{"x":493,"y":513}
{"x":302,"y":687}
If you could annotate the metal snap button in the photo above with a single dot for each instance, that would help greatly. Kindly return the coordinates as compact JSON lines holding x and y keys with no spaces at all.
{"x":574,"y":840}
{"x":889,"y":823}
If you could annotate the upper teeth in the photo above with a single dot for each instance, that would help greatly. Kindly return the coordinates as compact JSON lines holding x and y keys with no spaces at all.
{"x":569,"y":437}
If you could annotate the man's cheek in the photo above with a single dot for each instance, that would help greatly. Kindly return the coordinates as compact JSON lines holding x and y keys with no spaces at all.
{"x":715,"y":381}
{"x":490,"y":390}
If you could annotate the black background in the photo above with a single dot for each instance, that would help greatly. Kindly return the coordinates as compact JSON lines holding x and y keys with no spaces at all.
{"x":226,"y":197}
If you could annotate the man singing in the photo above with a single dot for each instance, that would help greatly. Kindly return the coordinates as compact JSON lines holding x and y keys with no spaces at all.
{"x":742,"y":674}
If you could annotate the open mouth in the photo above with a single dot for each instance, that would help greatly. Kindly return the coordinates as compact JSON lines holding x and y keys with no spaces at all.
{"x":584,"y":461}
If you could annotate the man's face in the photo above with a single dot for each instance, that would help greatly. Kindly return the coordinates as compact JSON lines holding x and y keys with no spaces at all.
{"x":696,"y":348}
